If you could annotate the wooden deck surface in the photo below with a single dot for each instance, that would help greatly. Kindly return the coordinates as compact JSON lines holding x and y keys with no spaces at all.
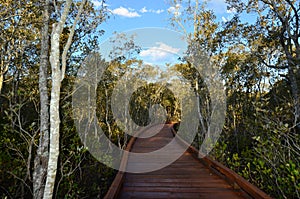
{"x":187,"y":177}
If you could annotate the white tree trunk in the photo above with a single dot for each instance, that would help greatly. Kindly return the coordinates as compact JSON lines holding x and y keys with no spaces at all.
{"x":54,"y":113}
{"x":1,"y":82}
{"x":58,"y":72}
{"x":41,"y":159}
{"x":201,"y":118}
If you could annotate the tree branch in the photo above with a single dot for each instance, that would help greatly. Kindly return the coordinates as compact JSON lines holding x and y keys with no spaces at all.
{"x":69,"y":42}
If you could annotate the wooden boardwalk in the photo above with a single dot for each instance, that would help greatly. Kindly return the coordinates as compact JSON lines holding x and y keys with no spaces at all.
{"x":187,"y":177}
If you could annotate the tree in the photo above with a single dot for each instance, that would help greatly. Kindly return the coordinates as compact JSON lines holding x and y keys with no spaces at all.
{"x":277,"y":30}
{"x":203,"y":64}
{"x":15,"y":34}
{"x":41,"y":159}
{"x":25,"y":30}
{"x":19,"y":33}
{"x":58,"y":68}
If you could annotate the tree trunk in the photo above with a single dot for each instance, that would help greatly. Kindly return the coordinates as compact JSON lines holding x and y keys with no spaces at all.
{"x":54,"y":113}
{"x":41,"y":159}
{"x":3,"y":70}
{"x":1,"y":82}
{"x":295,"y":94}
{"x":201,"y":118}
{"x":58,"y":68}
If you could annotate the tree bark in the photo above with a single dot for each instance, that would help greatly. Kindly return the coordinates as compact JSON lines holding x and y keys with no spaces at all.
{"x":58,"y":69}
{"x":293,"y":64}
{"x":1,"y":82}
{"x":54,"y":102}
{"x":3,"y":70}
{"x":41,"y":159}
{"x":295,"y":95}
{"x":54,"y":114}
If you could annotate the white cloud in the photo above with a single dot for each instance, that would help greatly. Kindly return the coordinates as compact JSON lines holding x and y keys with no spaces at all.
{"x":124,"y":12}
{"x":175,"y":10}
{"x":224,"y":19}
{"x":160,"y":52}
{"x":143,"y":10}
{"x":159,"y":11}
{"x":231,"y":11}
{"x":98,"y":3}
{"x":131,"y":9}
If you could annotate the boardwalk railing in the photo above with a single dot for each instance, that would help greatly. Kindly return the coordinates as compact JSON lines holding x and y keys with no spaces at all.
{"x":235,"y":180}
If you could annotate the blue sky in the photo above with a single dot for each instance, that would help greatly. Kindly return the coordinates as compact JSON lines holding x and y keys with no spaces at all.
{"x":127,"y":15}
{"x":131,"y":14}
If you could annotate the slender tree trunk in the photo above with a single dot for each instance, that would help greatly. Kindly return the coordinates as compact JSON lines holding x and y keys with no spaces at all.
{"x":201,"y":119}
{"x":3,"y":70}
{"x":293,"y":64}
{"x":1,"y":82}
{"x":106,"y":117}
{"x":41,"y":159}
{"x":54,"y":113}
{"x":58,"y":68}
{"x":296,"y":96}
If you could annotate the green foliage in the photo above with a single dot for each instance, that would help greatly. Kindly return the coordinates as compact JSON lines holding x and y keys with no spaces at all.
{"x":148,"y":95}
{"x":270,"y":158}
{"x":18,"y":127}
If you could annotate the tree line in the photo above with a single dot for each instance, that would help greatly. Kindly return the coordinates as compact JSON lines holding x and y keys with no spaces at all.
{"x":259,"y":62}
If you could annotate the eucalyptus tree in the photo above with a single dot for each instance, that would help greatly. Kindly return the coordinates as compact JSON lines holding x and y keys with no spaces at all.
{"x":58,"y":63}
{"x":24,"y":45}
{"x":18,"y":21}
{"x":271,"y":42}
{"x":41,"y":159}
{"x":203,"y":56}
{"x":277,"y":35}
{"x":19,"y":36}
{"x":71,"y":24}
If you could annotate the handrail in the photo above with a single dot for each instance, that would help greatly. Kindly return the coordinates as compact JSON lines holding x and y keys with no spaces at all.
{"x":229,"y":175}
{"x":116,"y":185}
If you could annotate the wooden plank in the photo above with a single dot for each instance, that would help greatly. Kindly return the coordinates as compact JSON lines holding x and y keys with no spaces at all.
{"x":164,"y":195}
{"x":177,"y":189}
{"x":188,"y":184}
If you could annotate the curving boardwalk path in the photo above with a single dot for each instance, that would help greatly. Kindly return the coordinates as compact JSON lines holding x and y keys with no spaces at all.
{"x":187,"y":177}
